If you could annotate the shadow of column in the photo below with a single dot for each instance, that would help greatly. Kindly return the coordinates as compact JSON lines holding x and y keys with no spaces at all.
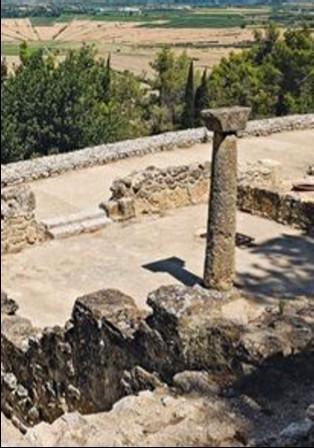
{"x":176,"y":268}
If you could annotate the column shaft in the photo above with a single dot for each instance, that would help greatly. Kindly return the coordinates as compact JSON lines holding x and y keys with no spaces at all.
{"x":219,"y":269}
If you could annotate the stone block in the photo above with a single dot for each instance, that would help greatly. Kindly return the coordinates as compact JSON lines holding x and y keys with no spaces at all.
{"x":18,"y":223}
{"x":8,"y":306}
{"x":126,"y":208}
{"x":226,"y":119}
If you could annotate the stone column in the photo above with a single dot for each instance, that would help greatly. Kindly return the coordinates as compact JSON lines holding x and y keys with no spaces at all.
{"x":219,"y":271}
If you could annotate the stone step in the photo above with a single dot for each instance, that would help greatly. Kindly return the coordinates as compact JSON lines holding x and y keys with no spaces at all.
{"x":74,"y":224}
{"x":74,"y":218}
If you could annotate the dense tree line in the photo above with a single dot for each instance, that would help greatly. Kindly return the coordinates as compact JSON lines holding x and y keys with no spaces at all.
{"x":274,"y":77}
{"x":51,"y":105}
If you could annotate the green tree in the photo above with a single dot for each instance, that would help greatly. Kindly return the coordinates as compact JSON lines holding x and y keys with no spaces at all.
{"x":170,"y":82}
{"x":105,"y":79}
{"x":4,"y":70}
{"x":188,"y":115}
{"x":274,"y":77}
{"x":24,"y":53}
{"x":51,"y":106}
{"x":202,"y":98}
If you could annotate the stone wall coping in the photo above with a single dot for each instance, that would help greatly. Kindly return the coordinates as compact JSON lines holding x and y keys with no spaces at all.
{"x":54,"y":165}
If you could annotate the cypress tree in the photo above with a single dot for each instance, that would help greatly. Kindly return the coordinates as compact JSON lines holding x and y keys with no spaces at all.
{"x":105,"y":80}
{"x":109,"y":71}
{"x":24,"y":53}
{"x":4,"y":70}
{"x":188,"y":114}
{"x":201,"y":98}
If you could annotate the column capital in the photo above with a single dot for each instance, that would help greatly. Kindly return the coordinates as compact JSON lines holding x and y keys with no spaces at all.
{"x":226,"y":119}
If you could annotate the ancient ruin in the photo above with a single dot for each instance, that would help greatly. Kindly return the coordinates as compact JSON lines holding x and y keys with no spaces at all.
{"x":219,"y":270}
{"x":111,"y":339}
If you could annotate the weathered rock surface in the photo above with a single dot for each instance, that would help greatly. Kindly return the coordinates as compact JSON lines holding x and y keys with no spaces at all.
{"x":219,"y":269}
{"x":228,"y":332}
{"x":164,"y":418}
{"x":11,"y":436}
{"x":18,"y":223}
{"x":284,"y":207}
{"x":110,"y":348}
{"x":226,"y":119}
{"x":297,"y":434}
{"x":156,"y":190}
{"x":8,"y":306}
{"x":260,"y":191}
{"x":150,"y":419}
{"x":265,"y":173}
{"x":195,"y":381}
{"x":202,"y":343}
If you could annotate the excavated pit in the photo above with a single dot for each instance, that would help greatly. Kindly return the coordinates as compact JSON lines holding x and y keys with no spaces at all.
{"x":201,"y":369}
{"x":229,"y":348}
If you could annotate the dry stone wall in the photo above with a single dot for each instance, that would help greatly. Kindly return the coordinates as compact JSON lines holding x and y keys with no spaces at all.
{"x":109,"y":348}
{"x":260,"y":192}
{"x":156,"y":190}
{"x":291,"y":208}
{"x":268,"y":126}
{"x":54,"y":165}
{"x":19,"y":227}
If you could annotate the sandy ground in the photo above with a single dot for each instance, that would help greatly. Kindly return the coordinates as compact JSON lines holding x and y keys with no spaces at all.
{"x":73,"y":191}
{"x":140,"y":256}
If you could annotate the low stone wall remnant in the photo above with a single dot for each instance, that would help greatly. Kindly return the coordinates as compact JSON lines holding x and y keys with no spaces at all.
{"x":261,"y":191}
{"x":155,"y":190}
{"x":19,"y":227}
{"x":55,"y":165}
{"x":268,"y":126}
{"x":292,"y":209}
{"x":109,"y":348}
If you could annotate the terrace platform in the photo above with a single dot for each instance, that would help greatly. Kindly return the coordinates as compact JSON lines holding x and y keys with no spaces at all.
{"x":139,"y":256}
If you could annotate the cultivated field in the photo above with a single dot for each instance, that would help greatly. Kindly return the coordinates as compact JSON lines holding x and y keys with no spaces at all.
{"x":132,"y":45}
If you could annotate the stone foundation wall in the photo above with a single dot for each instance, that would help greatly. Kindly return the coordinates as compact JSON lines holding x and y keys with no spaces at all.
{"x":293,"y":209}
{"x":54,"y":165}
{"x":156,"y":190}
{"x":260,"y":191}
{"x":109,"y":348}
{"x":19,"y":227}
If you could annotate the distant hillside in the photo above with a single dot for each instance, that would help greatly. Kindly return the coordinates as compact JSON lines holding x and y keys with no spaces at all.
{"x":136,"y":2}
